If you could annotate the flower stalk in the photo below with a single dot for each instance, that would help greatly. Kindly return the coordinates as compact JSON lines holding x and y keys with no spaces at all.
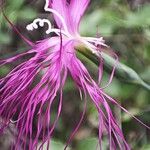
{"x":122,"y":72}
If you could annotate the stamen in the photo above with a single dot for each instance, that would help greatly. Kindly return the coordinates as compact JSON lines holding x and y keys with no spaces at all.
{"x":41,"y":22}
{"x":88,"y":41}
{"x":92,"y":43}
{"x":91,"y":47}
{"x":97,"y":41}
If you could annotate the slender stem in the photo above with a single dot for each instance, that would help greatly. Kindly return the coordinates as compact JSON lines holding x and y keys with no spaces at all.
{"x":123,"y":72}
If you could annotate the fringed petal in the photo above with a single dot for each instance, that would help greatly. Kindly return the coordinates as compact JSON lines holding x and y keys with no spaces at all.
{"x":21,"y":101}
{"x":106,"y":119}
{"x":62,"y":8}
{"x":77,"y":9}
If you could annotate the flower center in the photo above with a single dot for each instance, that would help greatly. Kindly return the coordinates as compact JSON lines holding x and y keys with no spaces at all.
{"x":90,"y":42}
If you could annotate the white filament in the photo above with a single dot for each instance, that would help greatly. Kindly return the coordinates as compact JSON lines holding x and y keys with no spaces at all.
{"x":41,"y":22}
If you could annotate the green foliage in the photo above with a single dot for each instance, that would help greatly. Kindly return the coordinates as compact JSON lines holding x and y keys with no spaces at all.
{"x":55,"y":145}
{"x":108,"y":19}
{"x":4,"y":38}
{"x":91,"y":144}
{"x":139,"y":18}
{"x":88,"y":144}
{"x":16,"y":11}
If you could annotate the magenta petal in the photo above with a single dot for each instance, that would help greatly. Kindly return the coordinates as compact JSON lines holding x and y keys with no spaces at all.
{"x":61,"y":7}
{"x":71,"y":12}
{"x":77,"y":9}
{"x":21,"y":101}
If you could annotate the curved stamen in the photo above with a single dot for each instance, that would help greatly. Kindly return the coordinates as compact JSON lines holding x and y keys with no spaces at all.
{"x":41,"y":22}
{"x":88,"y":41}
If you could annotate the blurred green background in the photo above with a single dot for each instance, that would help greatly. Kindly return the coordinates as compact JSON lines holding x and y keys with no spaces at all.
{"x":125,"y":26}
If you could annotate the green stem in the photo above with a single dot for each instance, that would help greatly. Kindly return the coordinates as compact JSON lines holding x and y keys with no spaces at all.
{"x":122,"y":72}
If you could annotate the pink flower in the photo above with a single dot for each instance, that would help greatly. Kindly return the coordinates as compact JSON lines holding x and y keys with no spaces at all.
{"x":54,"y":58}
